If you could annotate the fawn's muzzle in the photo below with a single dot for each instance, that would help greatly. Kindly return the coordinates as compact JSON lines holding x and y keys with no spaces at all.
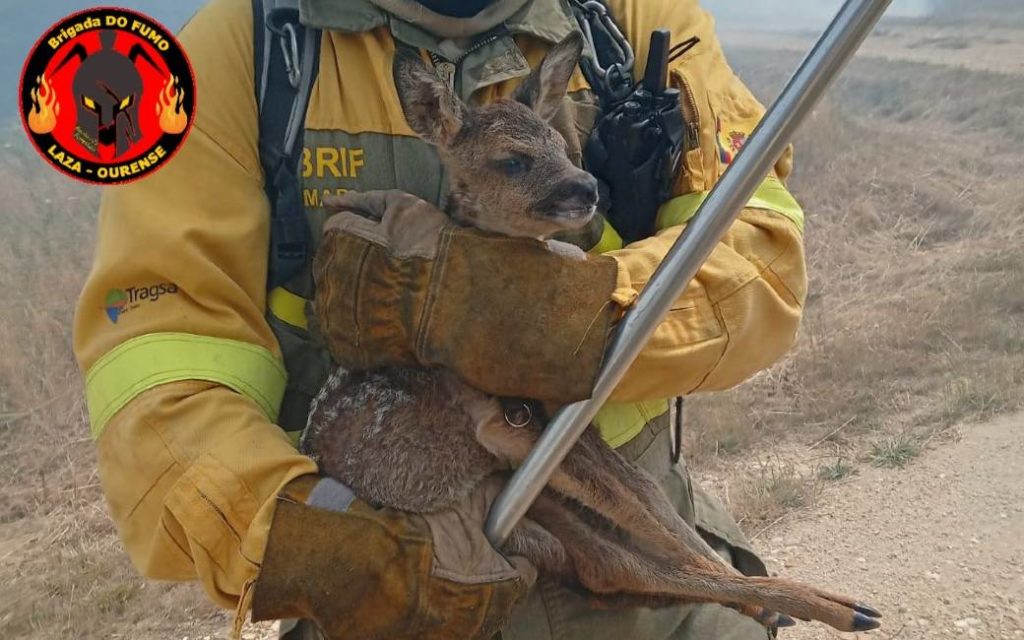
{"x":572,"y":199}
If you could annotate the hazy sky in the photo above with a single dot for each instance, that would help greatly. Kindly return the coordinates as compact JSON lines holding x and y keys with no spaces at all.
{"x":798,"y":14}
{"x":22,"y":21}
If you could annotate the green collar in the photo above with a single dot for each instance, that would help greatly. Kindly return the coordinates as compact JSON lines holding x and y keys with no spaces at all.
{"x":350,"y":16}
{"x":549,"y":20}
{"x":482,"y":63}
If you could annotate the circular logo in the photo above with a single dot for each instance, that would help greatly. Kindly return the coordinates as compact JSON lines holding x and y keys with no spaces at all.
{"x":107,"y":95}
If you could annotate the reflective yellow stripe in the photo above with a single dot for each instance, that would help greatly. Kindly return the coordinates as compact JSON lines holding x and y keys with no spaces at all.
{"x":610,"y":240}
{"x":158,"y":358}
{"x":771,"y":195}
{"x":679,"y":210}
{"x":288,"y":307}
{"x":620,"y":422}
{"x":774,"y":196}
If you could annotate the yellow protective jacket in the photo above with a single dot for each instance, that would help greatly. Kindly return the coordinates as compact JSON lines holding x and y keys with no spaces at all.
{"x":184,"y":375}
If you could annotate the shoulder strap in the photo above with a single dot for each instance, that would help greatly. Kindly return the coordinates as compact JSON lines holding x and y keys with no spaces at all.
{"x":286,"y":57}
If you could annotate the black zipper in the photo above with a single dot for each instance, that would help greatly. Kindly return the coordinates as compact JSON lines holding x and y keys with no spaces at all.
{"x":438,"y":59}
{"x":690,"y":112}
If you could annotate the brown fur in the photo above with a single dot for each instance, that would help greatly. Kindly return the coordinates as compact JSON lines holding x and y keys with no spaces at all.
{"x":478,"y":147}
{"x":420,"y":440}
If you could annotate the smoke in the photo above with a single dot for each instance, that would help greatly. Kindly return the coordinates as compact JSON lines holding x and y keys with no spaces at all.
{"x":788,"y":15}
{"x":998,"y":9}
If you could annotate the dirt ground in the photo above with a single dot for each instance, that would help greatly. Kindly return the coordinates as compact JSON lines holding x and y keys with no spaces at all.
{"x":938,"y":546}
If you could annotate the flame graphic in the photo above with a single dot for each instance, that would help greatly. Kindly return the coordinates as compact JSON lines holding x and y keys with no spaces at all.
{"x":172,"y":118}
{"x":42,"y":116}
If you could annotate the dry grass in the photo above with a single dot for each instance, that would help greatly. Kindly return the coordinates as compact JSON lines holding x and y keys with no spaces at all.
{"x":63,"y":573}
{"x":759,"y":497}
{"x":837,"y":470}
{"x":915,"y":321}
{"x":894,"y":452}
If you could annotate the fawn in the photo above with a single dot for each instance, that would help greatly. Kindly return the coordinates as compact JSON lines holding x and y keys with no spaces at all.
{"x":420,"y":439}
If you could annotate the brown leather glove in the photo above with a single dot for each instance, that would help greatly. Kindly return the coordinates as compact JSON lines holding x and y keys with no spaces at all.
{"x":398,"y":284}
{"x":360,"y":573}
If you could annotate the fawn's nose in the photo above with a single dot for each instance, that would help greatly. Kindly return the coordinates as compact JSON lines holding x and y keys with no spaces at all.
{"x":582,"y":189}
{"x":572,"y":198}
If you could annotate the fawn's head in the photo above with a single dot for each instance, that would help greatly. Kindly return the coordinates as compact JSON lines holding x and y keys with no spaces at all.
{"x":508,"y":167}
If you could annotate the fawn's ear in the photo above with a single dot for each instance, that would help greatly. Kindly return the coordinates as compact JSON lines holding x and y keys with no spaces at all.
{"x":545,"y":87}
{"x":431,"y":109}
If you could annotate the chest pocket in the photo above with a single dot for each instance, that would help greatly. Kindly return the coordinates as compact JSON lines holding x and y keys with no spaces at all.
{"x":336,"y":161}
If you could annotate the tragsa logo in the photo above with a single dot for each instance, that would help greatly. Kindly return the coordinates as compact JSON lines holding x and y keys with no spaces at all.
{"x":120,"y":301}
{"x":116,"y":302}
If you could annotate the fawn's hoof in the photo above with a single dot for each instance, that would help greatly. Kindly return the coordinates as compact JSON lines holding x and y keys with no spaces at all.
{"x":867,"y":610}
{"x":784,"y":621}
{"x":862,"y":622}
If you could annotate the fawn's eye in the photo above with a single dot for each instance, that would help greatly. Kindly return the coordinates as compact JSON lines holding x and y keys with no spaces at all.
{"x":513,"y":165}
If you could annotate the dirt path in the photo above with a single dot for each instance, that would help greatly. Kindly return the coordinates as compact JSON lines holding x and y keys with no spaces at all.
{"x":938,"y":546}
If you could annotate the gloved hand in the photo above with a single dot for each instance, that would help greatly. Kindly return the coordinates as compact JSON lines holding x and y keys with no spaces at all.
{"x":398,"y":284}
{"x":359,"y":572}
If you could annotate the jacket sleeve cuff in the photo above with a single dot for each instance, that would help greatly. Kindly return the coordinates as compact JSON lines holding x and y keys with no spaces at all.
{"x":331,"y":495}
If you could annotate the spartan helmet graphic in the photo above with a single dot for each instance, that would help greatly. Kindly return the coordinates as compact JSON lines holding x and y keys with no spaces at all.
{"x":107,"y":88}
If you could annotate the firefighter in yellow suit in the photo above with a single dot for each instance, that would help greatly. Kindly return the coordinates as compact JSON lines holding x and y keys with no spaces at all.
{"x":197,"y":387}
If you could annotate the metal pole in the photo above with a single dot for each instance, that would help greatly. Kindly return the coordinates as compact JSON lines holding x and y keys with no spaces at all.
{"x":824,"y":62}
